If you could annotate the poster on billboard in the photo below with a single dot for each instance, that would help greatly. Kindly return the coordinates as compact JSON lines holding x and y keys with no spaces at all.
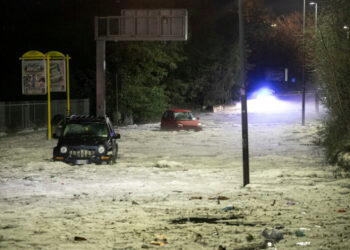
{"x":34,"y":77}
{"x":57,"y":76}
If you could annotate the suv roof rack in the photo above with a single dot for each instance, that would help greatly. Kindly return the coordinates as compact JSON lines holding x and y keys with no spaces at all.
{"x":86,"y":118}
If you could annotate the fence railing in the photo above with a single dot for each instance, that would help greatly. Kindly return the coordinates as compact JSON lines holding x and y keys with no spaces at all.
{"x":16,"y":116}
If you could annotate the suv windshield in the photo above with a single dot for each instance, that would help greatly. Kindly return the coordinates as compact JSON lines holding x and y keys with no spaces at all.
{"x":87,"y":129}
{"x":183,"y":116}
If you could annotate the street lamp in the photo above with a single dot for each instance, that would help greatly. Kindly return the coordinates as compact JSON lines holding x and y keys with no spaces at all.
{"x":316,"y":92}
{"x":314,"y":3}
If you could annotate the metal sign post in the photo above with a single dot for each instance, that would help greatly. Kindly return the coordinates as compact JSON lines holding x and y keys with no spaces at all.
{"x":245,"y":145}
{"x":57,"y":79}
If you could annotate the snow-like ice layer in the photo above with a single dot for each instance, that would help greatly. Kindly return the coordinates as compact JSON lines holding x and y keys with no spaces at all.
{"x":176,"y":184}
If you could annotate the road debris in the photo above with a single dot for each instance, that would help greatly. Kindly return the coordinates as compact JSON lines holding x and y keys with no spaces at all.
{"x":79,"y":238}
{"x":272,"y":235}
{"x":304,"y":243}
{"x":160,"y":240}
{"x":299,"y":233}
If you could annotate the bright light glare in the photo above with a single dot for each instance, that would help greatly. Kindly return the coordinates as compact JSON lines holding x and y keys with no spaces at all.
{"x":264,"y":101}
{"x":278,"y":108}
{"x":263,"y":93}
{"x":265,"y":104}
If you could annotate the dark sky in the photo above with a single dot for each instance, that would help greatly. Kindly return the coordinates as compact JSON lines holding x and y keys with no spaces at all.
{"x":31,"y":13}
{"x":285,"y":6}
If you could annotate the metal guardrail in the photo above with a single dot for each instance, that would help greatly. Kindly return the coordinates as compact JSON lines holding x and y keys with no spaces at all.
{"x":16,"y":116}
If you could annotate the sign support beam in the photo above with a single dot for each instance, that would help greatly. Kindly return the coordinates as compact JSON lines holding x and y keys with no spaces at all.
{"x":100,"y":77}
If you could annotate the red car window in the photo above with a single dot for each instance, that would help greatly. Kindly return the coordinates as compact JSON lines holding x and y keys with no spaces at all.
{"x":183,"y":116}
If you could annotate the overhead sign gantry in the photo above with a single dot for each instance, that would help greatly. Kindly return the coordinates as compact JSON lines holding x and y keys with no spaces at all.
{"x":134,"y":25}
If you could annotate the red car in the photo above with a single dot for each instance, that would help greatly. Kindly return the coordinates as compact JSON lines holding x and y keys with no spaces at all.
{"x":177,"y":119}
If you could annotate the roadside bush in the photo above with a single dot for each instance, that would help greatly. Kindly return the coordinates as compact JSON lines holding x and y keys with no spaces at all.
{"x":335,"y":142}
{"x":144,"y":103}
{"x":330,"y":53}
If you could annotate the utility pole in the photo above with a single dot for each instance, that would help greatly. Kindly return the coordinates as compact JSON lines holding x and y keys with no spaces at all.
{"x":244,"y":112}
{"x":303,"y":70}
{"x":116,"y":120}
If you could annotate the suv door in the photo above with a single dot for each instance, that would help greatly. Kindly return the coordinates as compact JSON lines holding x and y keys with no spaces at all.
{"x":113,"y":140}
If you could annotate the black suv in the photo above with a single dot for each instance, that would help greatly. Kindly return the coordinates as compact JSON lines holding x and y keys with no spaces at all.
{"x":86,"y":139}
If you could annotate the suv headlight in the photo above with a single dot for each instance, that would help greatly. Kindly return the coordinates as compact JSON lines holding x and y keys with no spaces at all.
{"x":63,"y":149}
{"x":179,"y":125}
{"x":101,"y":149}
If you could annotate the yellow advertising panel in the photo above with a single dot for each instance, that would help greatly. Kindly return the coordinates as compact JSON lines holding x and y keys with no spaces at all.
{"x":43,"y":74}
{"x":57,"y":71}
{"x":34,"y":73}
{"x":58,"y":75}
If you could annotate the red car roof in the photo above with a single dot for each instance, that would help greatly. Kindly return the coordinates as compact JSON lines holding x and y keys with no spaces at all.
{"x":180,"y":110}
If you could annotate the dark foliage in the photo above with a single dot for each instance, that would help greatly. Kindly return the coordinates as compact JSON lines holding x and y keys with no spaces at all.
{"x":330,"y":52}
